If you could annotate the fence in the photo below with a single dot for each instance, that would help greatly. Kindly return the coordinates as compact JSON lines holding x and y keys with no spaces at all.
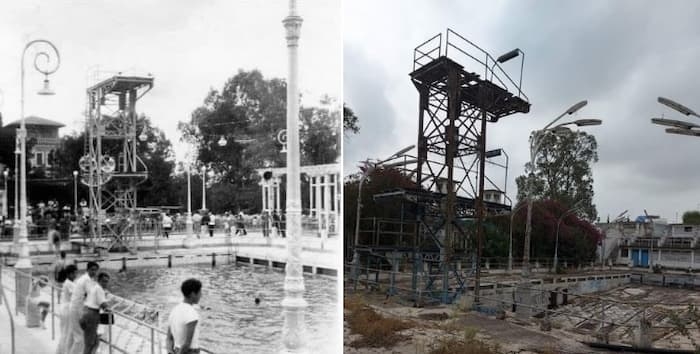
{"x":136,"y":327}
{"x":152,"y":227}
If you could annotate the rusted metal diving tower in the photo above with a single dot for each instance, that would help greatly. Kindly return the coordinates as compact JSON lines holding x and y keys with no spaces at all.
{"x":455,"y":103}
{"x":111,"y":167}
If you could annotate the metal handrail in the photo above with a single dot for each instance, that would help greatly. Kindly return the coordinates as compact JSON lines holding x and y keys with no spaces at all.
{"x":489,"y":62}
{"x":153,"y":330}
{"x":9,"y":312}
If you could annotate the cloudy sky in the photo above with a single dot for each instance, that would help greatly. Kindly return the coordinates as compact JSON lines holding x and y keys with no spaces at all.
{"x":188,"y":46}
{"x":618,"y":55}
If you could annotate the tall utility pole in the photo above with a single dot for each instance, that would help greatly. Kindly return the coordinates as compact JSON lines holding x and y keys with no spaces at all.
{"x":293,"y":304}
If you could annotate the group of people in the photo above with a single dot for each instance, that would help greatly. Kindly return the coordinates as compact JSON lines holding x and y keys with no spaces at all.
{"x":83,"y":298}
{"x":203,"y":221}
{"x":80,"y":301}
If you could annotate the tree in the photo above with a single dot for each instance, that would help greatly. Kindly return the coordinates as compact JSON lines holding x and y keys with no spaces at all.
{"x":65,"y":158}
{"x":578,"y":238}
{"x":319,"y":133}
{"x":379,"y":180}
{"x":350,"y":121}
{"x":691,"y":217}
{"x":157,"y":153}
{"x":248,"y":113}
{"x":562,"y":170}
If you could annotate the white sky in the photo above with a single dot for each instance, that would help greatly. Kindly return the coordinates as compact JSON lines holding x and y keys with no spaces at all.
{"x":188,"y":46}
{"x":618,"y":55}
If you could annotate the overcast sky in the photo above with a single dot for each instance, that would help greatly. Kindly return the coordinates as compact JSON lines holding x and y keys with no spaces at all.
{"x":618,"y":55}
{"x":188,"y":46}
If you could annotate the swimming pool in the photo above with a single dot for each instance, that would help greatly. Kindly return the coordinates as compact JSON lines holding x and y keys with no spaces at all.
{"x":231,"y":321}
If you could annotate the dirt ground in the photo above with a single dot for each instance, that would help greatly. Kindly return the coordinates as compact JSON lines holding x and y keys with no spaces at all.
{"x":433,"y":325}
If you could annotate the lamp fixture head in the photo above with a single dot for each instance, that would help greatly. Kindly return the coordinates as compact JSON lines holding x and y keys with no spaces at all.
{"x":576,"y":107}
{"x":508,"y":56}
{"x":46,"y":90}
{"x":587,"y":122}
{"x":222,"y":141}
{"x":676,"y":106}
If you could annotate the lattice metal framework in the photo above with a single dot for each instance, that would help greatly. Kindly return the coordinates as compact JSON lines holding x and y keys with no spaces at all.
{"x":454,"y":106}
{"x":111,"y":166}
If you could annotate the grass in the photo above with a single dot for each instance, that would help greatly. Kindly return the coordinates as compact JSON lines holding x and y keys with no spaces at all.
{"x":463,"y":346}
{"x":375,"y":329}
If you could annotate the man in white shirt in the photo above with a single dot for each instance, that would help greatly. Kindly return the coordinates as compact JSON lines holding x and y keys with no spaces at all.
{"x":167,"y":225}
{"x":183,"y":322}
{"x":95,"y":300}
{"x":77,"y":301}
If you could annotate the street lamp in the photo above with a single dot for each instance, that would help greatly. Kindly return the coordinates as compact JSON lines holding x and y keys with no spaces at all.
{"x":510,"y":55}
{"x":24,"y":262}
{"x":368,"y":168}
{"x":293,"y":304}
{"x":510,"y":237}
{"x":222,"y":141}
{"x":204,"y":187}
{"x":678,"y":126}
{"x":574,"y":209}
{"x":75,"y":192}
{"x":535,"y":145}
{"x":678,"y":107}
{"x":5,"y":173}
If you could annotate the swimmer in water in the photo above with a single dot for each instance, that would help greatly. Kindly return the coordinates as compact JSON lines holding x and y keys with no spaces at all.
{"x":257,"y":301}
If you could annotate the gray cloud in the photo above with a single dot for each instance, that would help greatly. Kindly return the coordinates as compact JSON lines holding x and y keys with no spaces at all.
{"x":620,"y":56}
{"x":367,"y":98}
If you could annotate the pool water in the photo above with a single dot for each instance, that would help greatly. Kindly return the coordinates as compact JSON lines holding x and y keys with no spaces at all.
{"x":231,"y":321}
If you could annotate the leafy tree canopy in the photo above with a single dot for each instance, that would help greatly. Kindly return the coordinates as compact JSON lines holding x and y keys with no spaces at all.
{"x":350,"y":121}
{"x":248,"y":113}
{"x":562,"y":170}
{"x":691,"y":217}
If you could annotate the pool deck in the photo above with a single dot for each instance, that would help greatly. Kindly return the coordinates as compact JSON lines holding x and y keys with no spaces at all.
{"x":319,"y":256}
{"x":27,"y":340}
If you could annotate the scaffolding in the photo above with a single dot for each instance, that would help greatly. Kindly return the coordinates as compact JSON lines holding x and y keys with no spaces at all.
{"x":112,"y":168}
{"x":447,"y":206}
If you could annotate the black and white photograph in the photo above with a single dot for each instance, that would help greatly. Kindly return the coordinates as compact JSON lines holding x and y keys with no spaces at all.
{"x":171,"y":176}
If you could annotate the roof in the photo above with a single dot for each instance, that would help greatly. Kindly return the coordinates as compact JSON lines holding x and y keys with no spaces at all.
{"x":34,"y":120}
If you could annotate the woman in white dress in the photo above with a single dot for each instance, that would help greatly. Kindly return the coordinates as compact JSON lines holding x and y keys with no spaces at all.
{"x":66,"y":292}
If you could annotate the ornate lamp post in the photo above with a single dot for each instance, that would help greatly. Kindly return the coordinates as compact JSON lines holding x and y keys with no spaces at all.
{"x":188,"y":242}
{"x":24,"y":261}
{"x":75,"y":192}
{"x":293,"y":303}
{"x":204,"y":187}
{"x":5,"y":174}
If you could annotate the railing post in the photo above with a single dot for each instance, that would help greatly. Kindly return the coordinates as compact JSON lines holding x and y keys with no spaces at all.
{"x":9,"y":313}
{"x":53,"y":312}
{"x":153,"y":342}
{"x":109,"y":327}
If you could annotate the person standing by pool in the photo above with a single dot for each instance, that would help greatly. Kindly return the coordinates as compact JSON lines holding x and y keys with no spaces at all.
{"x":75,"y":342}
{"x":68,"y":273}
{"x":197,"y":223}
{"x":266,"y":223}
{"x":183,"y":322}
{"x":58,"y":267}
{"x":96,"y":300}
{"x":167,"y":225}
{"x":212,"y":224}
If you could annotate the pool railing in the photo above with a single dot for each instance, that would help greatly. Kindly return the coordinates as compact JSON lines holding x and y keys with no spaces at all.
{"x":119,"y":336}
